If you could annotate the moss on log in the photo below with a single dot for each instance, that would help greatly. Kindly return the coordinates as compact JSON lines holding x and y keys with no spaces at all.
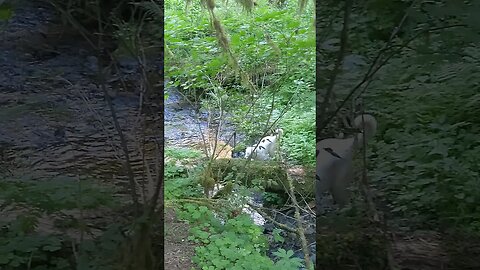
{"x":270,"y":175}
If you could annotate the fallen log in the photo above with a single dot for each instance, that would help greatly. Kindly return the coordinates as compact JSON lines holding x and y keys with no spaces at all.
{"x":270,"y":175}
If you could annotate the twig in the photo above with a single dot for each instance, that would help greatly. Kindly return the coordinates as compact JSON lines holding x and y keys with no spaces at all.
{"x":374,"y":68}
{"x":374,"y":214}
{"x":300,"y":229}
{"x":267,"y":216}
{"x":29,"y":263}
{"x":102,"y":74}
{"x":74,"y":251}
{"x":338,"y":62}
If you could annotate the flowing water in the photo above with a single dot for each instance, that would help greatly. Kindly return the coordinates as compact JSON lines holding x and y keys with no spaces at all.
{"x":54,"y":120}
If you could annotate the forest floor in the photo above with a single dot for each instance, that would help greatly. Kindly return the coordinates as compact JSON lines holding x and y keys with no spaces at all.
{"x":178,"y":250}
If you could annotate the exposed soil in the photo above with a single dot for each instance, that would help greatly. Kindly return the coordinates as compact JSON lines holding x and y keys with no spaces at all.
{"x":178,"y":250}
{"x":420,"y":250}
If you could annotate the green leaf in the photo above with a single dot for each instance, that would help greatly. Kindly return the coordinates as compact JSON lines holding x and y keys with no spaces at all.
{"x":5,"y":12}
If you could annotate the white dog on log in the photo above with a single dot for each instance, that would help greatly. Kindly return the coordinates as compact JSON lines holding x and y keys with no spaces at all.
{"x":334,"y":170}
{"x":267,"y":147}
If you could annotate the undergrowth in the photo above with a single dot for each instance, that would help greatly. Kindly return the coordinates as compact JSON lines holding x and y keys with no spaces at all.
{"x":27,"y":242}
{"x":423,"y":159}
{"x":429,"y":136}
{"x":224,"y":240}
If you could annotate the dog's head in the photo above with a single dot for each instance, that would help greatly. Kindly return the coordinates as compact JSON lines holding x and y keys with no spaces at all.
{"x":248,"y":151}
{"x":279,"y":132}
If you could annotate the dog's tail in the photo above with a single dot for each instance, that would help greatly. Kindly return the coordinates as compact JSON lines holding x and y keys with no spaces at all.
{"x":368,"y":124}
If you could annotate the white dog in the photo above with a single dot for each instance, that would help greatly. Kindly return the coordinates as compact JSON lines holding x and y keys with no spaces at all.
{"x":266,"y":148}
{"x":259,"y":154}
{"x":334,"y":170}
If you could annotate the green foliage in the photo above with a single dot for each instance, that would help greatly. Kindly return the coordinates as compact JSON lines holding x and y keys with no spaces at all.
{"x":24,"y":246}
{"x":260,"y":174}
{"x":275,"y":47}
{"x":6,"y":11}
{"x":182,"y":153}
{"x":172,"y":171}
{"x":20,"y":247}
{"x":103,"y":252}
{"x":56,"y":194}
{"x":349,"y":238}
{"x":236,"y":243}
{"x":178,"y":183}
{"x":224,"y":243}
{"x":177,"y":158}
{"x":194,"y":45}
{"x":273,"y":198}
{"x":182,"y":188}
{"x":16,"y":252}
{"x":427,"y":158}
{"x":299,"y":139}
{"x":297,"y":122}
{"x":286,"y":261}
